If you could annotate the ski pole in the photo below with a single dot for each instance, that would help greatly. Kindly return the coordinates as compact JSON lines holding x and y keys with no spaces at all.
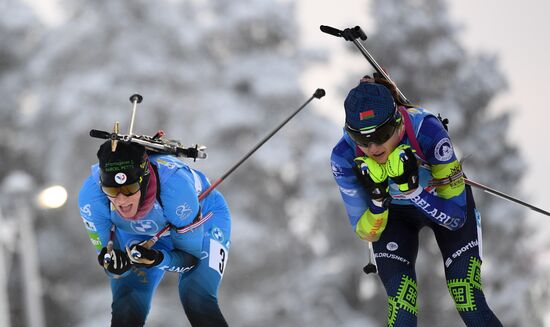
{"x":505,"y":196}
{"x":370,"y":267}
{"x":108,"y":255}
{"x":352,"y":34}
{"x":319,"y":93}
{"x":135,"y":99}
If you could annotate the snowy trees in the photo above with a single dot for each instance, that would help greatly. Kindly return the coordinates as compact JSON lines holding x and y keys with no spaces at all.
{"x":20,"y":31}
{"x":223,"y":74}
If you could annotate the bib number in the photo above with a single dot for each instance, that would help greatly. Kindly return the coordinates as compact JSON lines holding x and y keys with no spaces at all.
{"x":218,"y":256}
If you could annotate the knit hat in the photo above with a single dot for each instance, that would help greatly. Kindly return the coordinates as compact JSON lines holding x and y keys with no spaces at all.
{"x":368,"y":106}
{"x":127,"y":165}
{"x":371,"y":114}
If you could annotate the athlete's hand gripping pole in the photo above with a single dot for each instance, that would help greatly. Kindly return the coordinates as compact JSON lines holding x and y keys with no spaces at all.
{"x":319,"y":93}
{"x":107,"y":257}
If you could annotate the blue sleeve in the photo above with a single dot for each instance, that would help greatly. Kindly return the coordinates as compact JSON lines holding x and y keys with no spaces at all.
{"x":441,"y":211}
{"x":177,"y":261}
{"x":447,"y":205}
{"x":95,"y":213}
{"x":181,"y":207}
{"x":356,"y":199}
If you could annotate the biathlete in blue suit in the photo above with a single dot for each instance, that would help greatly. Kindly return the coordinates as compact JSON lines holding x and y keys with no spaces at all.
{"x":136,"y":195}
{"x":397,"y":173}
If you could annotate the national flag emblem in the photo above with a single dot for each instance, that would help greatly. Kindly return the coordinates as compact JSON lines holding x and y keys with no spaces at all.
{"x":366,"y":114}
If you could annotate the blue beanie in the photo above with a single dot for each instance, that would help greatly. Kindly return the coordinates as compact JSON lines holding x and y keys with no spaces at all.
{"x":368,"y":105}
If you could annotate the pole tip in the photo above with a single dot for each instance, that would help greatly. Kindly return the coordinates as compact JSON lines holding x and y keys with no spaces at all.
{"x":319,"y":93}
{"x":369,"y":268}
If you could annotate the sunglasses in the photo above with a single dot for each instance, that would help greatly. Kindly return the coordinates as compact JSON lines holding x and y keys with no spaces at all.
{"x":126,"y":190}
{"x":379,"y":136}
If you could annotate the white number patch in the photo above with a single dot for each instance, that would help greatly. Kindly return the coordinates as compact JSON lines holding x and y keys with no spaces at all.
{"x":218,"y":256}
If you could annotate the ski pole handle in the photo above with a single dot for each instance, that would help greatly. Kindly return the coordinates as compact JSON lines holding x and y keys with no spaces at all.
{"x":331,"y":30}
{"x":136,"y":254}
{"x":109,"y":254}
{"x":349,"y":34}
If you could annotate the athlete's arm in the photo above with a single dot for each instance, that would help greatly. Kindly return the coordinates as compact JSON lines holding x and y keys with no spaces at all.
{"x":366,"y":217}
{"x":95,"y":213}
{"x":447,"y":207}
{"x":181,"y":208}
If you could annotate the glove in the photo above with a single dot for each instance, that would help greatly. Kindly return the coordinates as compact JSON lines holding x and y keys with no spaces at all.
{"x":374,"y":178}
{"x":144,"y":257}
{"x":117,"y":264}
{"x":402,"y":168}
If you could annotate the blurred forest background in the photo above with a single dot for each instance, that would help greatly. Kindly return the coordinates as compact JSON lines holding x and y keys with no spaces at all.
{"x":223,"y":74}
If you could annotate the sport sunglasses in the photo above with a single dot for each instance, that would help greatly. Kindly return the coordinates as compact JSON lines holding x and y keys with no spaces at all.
{"x":126,"y":190}
{"x":378,"y":136}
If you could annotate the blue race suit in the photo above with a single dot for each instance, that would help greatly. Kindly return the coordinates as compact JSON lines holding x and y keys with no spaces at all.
{"x":448,"y":209}
{"x":177,"y":204}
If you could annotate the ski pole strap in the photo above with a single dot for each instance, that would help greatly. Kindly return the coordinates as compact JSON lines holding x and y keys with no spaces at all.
{"x":196,"y":223}
{"x":410,"y":132}
{"x":447,"y":180}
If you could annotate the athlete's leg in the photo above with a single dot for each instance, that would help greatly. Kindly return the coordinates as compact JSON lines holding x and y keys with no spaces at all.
{"x":461,"y":256}
{"x":198,"y":288}
{"x":395,"y":255}
{"x":132,"y":296}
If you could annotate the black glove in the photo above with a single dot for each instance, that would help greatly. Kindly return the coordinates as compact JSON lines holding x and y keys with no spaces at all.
{"x":377,"y":190}
{"x":117,"y":264}
{"x":144,"y":257}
